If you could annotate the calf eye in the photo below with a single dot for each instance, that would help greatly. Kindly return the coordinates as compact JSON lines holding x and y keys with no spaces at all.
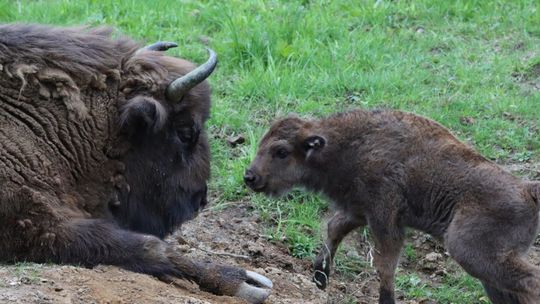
{"x":282,"y":153}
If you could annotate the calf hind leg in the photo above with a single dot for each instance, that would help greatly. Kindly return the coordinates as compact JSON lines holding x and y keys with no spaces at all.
{"x":495,"y":255}
{"x":508,"y":281}
{"x":500,"y":297}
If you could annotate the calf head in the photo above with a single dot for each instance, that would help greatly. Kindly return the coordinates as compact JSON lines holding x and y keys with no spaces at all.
{"x":287,"y":154}
{"x":167,"y":156}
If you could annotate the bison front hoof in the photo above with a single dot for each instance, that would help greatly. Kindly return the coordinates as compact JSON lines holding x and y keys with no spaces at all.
{"x":232,"y":281}
{"x":255,"y":289}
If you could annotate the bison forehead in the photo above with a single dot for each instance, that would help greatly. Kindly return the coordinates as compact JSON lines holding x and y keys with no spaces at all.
{"x":285,"y":129}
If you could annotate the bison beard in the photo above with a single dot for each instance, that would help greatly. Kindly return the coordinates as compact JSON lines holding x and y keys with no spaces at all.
{"x":103,"y":153}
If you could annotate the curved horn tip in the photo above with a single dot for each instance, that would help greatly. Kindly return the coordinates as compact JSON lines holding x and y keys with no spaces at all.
{"x":159,"y":46}
{"x":180,"y":86}
{"x":211,"y":52}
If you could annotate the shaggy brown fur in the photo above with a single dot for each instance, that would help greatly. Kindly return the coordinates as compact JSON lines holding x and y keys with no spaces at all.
{"x":96,"y":166}
{"x":392,"y":170}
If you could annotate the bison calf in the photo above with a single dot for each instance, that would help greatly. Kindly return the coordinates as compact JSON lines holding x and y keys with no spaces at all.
{"x":392,"y":170}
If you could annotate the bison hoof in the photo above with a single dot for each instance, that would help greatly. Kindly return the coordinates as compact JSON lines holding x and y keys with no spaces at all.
{"x":256,"y":288}
{"x":232,"y":281}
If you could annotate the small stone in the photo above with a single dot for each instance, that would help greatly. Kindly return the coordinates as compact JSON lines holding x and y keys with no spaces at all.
{"x":255,"y":249}
{"x":183,"y":248}
{"x":58,"y":289}
{"x":433,"y":257}
{"x":181,"y":240}
{"x":25,"y":280}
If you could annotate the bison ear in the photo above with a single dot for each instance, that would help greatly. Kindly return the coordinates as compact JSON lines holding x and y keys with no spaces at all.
{"x":143,"y":112}
{"x":313,"y":145}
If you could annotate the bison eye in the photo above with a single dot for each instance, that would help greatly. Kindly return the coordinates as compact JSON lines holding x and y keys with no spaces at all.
{"x":282,"y":153}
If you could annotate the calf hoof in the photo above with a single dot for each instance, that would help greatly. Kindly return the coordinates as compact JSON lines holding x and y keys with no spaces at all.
{"x":386,"y":297}
{"x":321,"y":279}
{"x":321,"y":273}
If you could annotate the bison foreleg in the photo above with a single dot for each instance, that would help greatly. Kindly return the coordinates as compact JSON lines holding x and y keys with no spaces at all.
{"x":90,"y":242}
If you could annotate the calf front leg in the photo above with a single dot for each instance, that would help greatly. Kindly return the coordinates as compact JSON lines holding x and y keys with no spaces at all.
{"x":388,"y":243}
{"x":339,"y":226}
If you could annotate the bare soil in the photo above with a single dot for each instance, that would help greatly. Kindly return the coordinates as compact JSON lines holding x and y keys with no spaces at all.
{"x":237,"y":232}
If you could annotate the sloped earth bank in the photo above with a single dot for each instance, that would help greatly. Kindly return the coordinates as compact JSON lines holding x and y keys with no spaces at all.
{"x":237,"y":232}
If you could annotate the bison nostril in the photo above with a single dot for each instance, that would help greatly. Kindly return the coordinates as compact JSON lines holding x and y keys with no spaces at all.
{"x":249,"y":177}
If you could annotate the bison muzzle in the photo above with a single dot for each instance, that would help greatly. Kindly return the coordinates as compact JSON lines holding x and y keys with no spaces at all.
{"x":103,"y":153}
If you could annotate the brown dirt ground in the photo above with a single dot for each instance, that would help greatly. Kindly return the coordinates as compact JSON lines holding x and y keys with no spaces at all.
{"x":235,"y":230}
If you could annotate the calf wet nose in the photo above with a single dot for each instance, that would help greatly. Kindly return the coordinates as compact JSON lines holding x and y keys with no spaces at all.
{"x":250,"y":178}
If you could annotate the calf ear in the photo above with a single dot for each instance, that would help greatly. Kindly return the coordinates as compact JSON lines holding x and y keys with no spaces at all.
{"x":143,"y":112}
{"x":313,"y":145}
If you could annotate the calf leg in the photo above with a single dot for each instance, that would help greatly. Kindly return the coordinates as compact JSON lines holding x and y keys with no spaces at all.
{"x":388,"y":244}
{"x":492,"y":250}
{"x":500,"y":297}
{"x":338,"y":227}
{"x":508,"y":281}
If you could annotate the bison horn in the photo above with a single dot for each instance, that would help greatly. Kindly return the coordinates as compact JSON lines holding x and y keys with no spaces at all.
{"x":182,"y":85}
{"x":159,"y":46}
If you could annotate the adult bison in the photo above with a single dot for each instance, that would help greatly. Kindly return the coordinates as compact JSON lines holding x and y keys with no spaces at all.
{"x":103,"y":153}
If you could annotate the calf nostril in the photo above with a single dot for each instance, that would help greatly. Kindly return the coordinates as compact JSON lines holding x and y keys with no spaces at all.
{"x":249,"y":177}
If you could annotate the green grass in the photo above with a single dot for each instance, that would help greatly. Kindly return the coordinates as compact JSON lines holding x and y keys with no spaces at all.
{"x":456,"y":288}
{"x":410,"y":253}
{"x":27,"y":272}
{"x":294,"y":220}
{"x":471,"y":65}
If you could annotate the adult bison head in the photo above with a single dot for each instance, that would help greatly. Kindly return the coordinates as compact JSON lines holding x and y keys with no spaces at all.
{"x":167,"y":154}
